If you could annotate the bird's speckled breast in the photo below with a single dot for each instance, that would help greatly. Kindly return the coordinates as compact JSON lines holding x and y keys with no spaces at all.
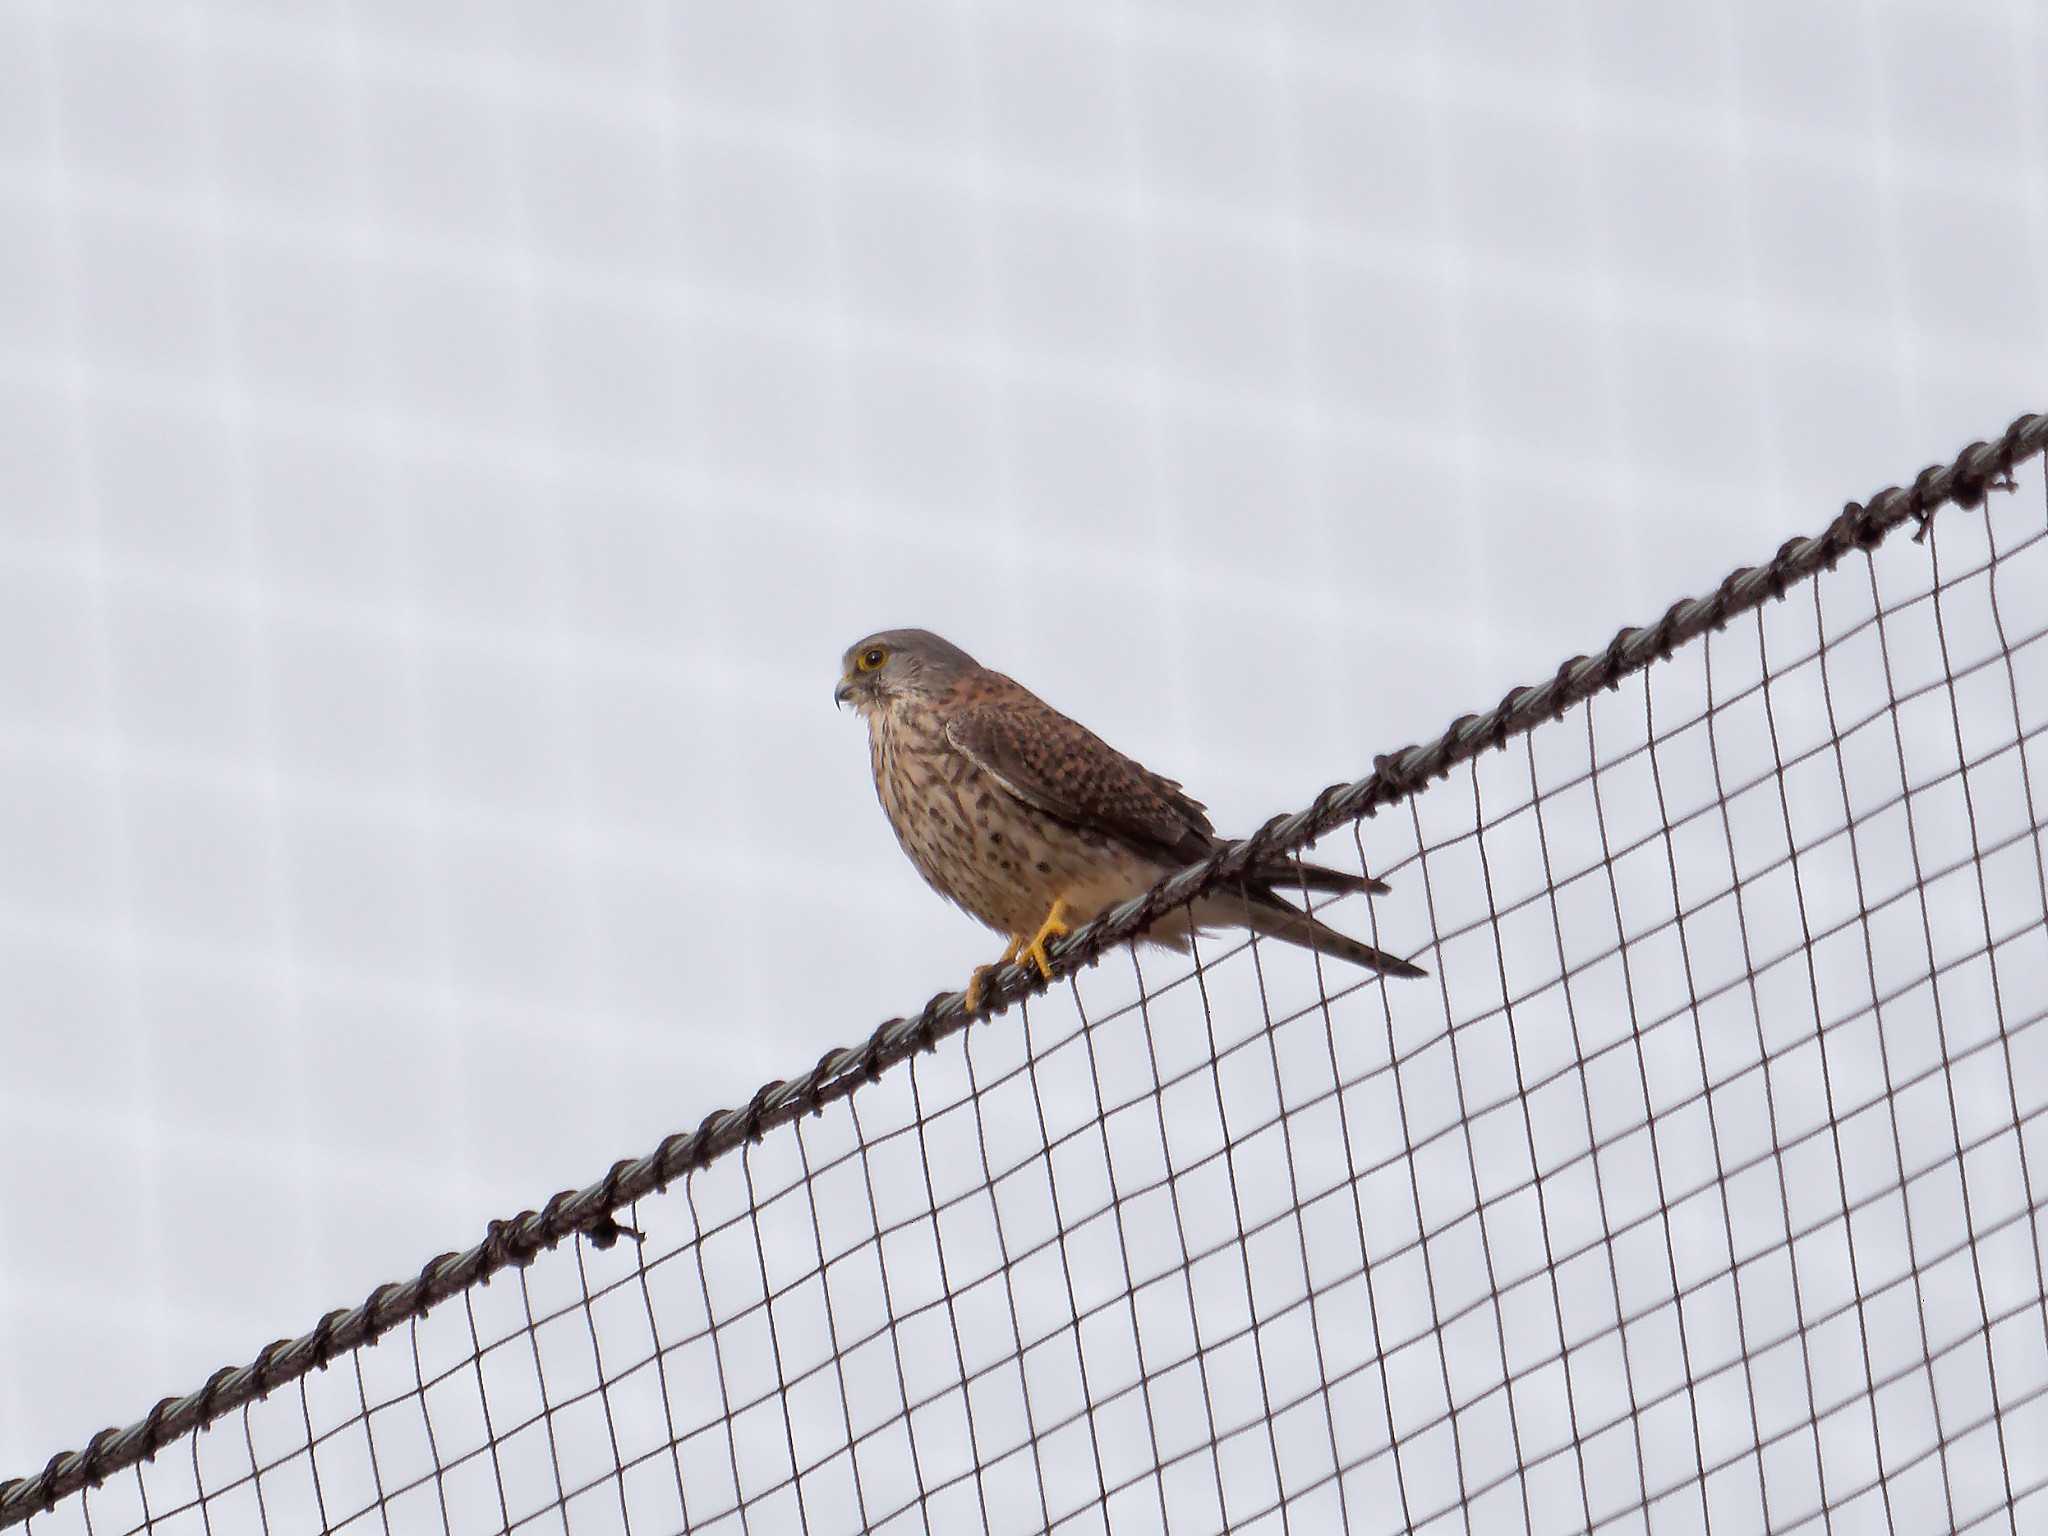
{"x":1004,"y":861}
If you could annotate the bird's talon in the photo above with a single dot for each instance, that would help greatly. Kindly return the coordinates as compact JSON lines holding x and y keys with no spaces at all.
{"x":981,"y":972}
{"x":1054,"y":926}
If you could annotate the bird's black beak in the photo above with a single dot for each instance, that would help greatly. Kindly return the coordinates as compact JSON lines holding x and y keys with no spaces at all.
{"x":842,"y":693}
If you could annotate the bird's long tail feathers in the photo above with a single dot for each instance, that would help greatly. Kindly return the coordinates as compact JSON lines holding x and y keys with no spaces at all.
{"x":1288,"y":875}
{"x":1267,"y":914}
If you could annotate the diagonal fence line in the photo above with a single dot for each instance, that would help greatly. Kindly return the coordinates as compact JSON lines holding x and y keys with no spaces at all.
{"x":1364,"y":1170}
{"x":1408,"y":1055}
{"x":593,"y":1211}
{"x":1445,"y":1319}
{"x":799,"y":1470}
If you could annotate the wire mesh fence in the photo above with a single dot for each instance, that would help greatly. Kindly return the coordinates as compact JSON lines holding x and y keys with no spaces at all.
{"x":1698,"y":1185}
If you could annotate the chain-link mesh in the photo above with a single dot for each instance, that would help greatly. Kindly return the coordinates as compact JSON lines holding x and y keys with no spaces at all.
{"x":1698,"y":1186}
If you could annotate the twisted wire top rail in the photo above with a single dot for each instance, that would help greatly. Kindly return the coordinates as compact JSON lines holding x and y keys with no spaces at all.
{"x":592,"y":1211}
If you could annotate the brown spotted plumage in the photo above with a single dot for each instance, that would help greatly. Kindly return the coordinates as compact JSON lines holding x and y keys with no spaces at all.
{"x":1034,"y":824}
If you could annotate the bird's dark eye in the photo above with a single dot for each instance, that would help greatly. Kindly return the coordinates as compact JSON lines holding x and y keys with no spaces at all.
{"x":872,"y":658}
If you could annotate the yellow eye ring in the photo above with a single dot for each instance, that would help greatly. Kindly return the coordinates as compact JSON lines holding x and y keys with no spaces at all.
{"x":871,"y":658}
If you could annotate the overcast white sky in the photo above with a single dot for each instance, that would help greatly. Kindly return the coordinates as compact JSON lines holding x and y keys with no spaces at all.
{"x":444,"y":450}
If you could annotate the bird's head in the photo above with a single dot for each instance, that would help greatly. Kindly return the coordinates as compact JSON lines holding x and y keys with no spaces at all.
{"x":898,"y":664}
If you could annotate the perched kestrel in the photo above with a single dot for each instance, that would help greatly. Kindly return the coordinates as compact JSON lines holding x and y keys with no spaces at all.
{"x":1033,"y":823}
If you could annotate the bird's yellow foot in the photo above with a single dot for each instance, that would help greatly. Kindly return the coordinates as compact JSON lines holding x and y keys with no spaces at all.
{"x":1053,"y":927}
{"x":974,"y":982}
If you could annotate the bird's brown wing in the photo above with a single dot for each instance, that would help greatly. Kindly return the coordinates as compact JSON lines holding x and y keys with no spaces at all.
{"x":1066,"y":770}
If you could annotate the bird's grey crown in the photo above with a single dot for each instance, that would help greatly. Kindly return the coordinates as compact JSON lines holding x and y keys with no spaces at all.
{"x":916,"y":644}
